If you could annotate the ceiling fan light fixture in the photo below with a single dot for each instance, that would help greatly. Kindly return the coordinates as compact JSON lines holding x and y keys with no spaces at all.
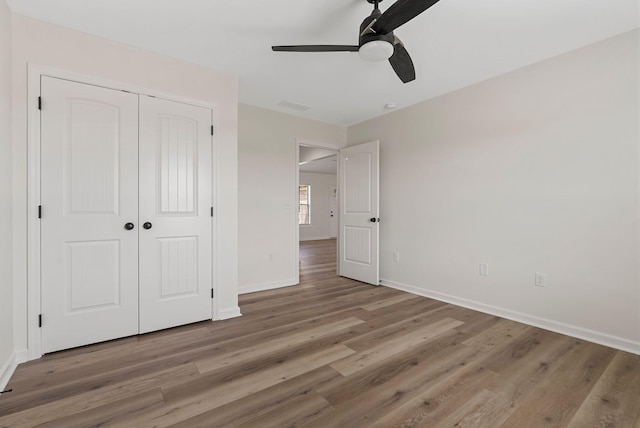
{"x":376,"y":50}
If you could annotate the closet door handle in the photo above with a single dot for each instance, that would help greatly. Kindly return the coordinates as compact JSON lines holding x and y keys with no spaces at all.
{"x":147,"y":225}
{"x":129,"y":226}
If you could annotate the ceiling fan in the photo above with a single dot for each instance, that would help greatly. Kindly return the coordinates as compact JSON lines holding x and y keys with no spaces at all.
{"x":377,"y":41}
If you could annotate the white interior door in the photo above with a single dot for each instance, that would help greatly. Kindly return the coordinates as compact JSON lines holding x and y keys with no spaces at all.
{"x":89,"y":191}
{"x":175,"y":214}
{"x":359,"y":218}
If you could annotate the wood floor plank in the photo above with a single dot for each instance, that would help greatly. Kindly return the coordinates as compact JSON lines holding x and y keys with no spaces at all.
{"x":519,"y":377}
{"x":294,"y":413}
{"x":83,"y":402}
{"x":375,"y":403}
{"x":78,"y":363}
{"x":402,"y":310}
{"x":388,"y":301}
{"x":608,"y":405}
{"x":555,"y":401}
{"x":288,"y":341}
{"x":236,"y":413}
{"x":441,"y":401}
{"x":504,"y":330}
{"x":270,"y":331}
{"x":179,"y":408}
{"x":449,"y":394}
{"x":427,"y":358}
{"x":404,"y":360}
{"x":380,"y":352}
{"x":112,"y":413}
{"x":484,"y":410}
{"x":390,"y":328}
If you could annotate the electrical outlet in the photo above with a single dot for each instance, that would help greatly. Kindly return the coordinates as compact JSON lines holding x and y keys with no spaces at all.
{"x":484,"y":269}
{"x":541,"y":279}
{"x":396,"y":256}
{"x":270,"y":257}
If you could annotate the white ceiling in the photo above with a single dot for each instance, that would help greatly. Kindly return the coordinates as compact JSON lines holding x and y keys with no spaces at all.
{"x":453,"y":44}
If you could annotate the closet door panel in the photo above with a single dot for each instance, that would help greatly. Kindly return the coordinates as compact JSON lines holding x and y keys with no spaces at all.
{"x":175,"y":204}
{"x":89,"y":191}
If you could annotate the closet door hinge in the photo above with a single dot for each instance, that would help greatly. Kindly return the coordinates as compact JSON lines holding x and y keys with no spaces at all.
{"x":39,"y":103}
{"x":212,"y":293}
{"x":39,"y":211}
{"x":211,"y":129}
{"x":40,"y":320}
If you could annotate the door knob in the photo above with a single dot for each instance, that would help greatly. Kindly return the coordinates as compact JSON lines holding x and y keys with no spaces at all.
{"x":129,"y":226}
{"x":372,"y":219}
{"x":147,"y":225}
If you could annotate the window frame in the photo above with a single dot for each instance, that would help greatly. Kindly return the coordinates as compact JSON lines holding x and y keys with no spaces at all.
{"x":307,"y":204}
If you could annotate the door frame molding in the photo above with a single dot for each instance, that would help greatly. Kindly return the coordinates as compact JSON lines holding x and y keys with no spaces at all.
{"x":34,"y":73}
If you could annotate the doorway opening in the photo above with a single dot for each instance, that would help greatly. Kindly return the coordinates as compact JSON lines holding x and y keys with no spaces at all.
{"x":317,"y":219}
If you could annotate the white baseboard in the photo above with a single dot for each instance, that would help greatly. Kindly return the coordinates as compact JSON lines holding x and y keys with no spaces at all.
{"x":547,"y":324}
{"x":245,"y":289}
{"x":227,"y":313}
{"x":9,"y":367}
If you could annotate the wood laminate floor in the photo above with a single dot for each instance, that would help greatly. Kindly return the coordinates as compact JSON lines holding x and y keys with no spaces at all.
{"x":333,"y":353}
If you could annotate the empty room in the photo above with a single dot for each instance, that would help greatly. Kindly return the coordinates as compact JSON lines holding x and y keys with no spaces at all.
{"x":356,"y":213}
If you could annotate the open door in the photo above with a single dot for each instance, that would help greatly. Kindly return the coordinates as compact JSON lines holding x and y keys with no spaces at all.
{"x":359,"y":218}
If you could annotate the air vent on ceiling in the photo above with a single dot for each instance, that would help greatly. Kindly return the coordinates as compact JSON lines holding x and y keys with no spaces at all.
{"x":294,"y":106}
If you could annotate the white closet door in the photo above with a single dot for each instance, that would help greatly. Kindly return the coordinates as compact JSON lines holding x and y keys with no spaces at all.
{"x":89,"y":191}
{"x":175,"y":204}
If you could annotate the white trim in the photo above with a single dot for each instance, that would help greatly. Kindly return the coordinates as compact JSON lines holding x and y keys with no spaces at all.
{"x":252,"y":288}
{"x":227,"y":313}
{"x":296,"y":217}
{"x":6,"y":371}
{"x":547,"y":324}
{"x":9,"y":367}
{"x":112,"y":84}
{"x":215,"y":280}
{"x":33,"y":200}
{"x":34,"y":74}
{"x":318,"y":145}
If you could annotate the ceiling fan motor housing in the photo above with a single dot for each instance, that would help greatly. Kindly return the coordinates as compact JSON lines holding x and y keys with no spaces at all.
{"x":372,"y":35}
{"x":383,"y":46}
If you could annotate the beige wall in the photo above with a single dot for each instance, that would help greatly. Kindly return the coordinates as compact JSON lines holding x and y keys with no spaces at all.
{"x":267,"y":192}
{"x":52,"y":46}
{"x":533,"y":171}
{"x":6,"y":282}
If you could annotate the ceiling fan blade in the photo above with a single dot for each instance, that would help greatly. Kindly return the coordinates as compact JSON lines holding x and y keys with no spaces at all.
{"x":401,"y":62}
{"x":316,"y":48}
{"x":400,"y":13}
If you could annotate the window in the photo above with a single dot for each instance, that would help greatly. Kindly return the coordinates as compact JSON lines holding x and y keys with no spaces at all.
{"x":304,"y":201}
